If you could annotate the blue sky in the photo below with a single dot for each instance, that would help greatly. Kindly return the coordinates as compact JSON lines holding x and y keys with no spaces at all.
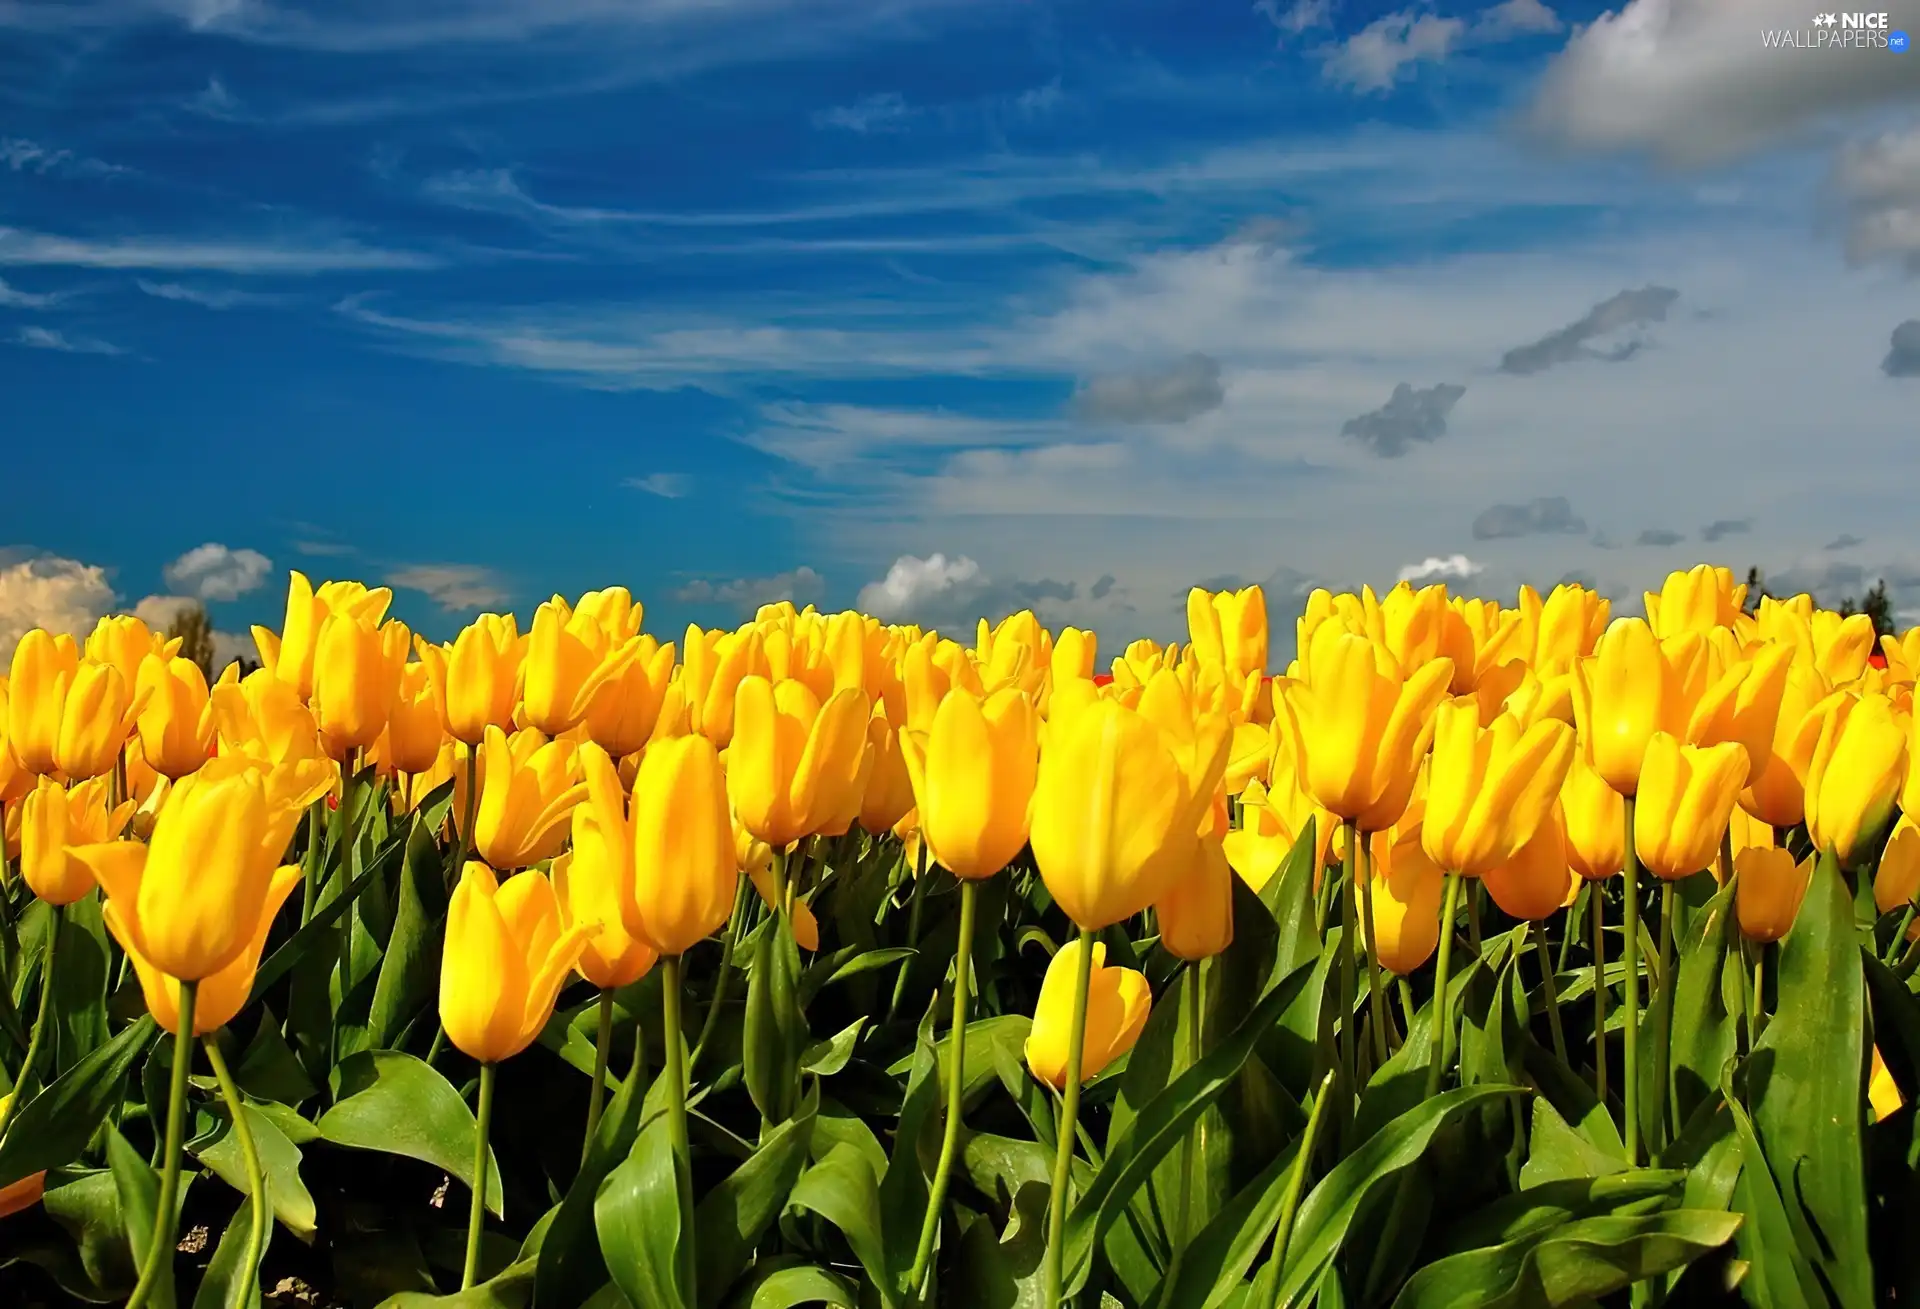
{"x":945,"y":308}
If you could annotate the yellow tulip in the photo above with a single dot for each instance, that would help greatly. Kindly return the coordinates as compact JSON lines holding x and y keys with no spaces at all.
{"x":1410,"y":625}
{"x":262,"y":718}
{"x":593,"y":879}
{"x":1837,"y":645}
{"x":627,"y":707}
{"x":1883,"y":1093}
{"x":1407,"y":890}
{"x":53,"y":818}
{"x":126,"y":642}
{"x":889,"y":790}
{"x":1256,"y":849}
{"x":98,"y":715}
{"x":614,"y":611}
{"x":1076,"y":654}
{"x":1743,"y":706}
{"x":1489,"y":789}
{"x":176,"y":724}
{"x":356,"y":678}
{"x":973,"y":775}
{"x":476,"y":680}
{"x":1250,"y":757}
{"x":1196,"y":914}
{"x":1118,"y":1000}
{"x":190,"y":900}
{"x":715,"y":664}
{"x":415,"y":731}
{"x":528,"y":788}
{"x":568,"y":660}
{"x":418,"y":786}
{"x":1595,"y":816}
{"x":1695,"y":601}
{"x":1114,"y":817}
{"x":1686,"y":799}
{"x":794,"y":761}
{"x":222,"y":994}
{"x":25,"y":1193}
{"x":44,"y":669}
{"x":1361,"y":730}
{"x":1896,"y":881}
{"x":1855,"y":776}
{"x":1630,"y":687}
{"x":1561,"y":630}
{"x":685,"y":873}
{"x":1903,"y":655}
{"x":1768,"y":889}
{"x":1535,"y":883}
{"x":754,"y":858}
{"x":1228,"y":629}
{"x":15,"y":781}
{"x":1776,"y":792}
{"x":507,"y":953}
{"x":289,"y":653}
{"x":1486,"y":646}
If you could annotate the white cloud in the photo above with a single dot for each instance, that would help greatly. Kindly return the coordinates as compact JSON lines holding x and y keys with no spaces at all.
{"x":454,"y":587}
{"x":240,"y":256}
{"x":12,"y":297}
{"x":1436,"y":568}
{"x":802,"y":586}
{"x":47,"y":338}
{"x":215,"y":572}
{"x":1297,"y":17}
{"x":60,"y":595}
{"x":1371,"y":59}
{"x":668,"y":486}
{"x":887,"y":111}
{"x":912,"y":582}
{"x":159,"y":612}
{"x":1517,"y":18}
{"x":1693,"y":80}
{"x":1170,"y":393}
{"x":952,"y":593}
{"x":1878,"y":182}
{"x":205,"y":297}
{"x":23,"y":156}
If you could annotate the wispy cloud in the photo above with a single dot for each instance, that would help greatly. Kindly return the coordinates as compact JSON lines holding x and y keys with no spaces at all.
{"x":205,"y":297}
{"x":801,"y":585}
{"x":22,"y":156}
{"x":668,"y":486}
{"x":47,"y":338}
{"x":12,"y":297}
{"x":239,"y":256}
{"x":456,"y":588}
{"x":887,"y":111}
{"x":1379,"y":55}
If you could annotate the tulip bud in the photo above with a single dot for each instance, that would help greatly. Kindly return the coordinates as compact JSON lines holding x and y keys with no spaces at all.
{"x":1686,"y":800}
{"x":356,"y":676}
{"x":44,"y":669}
{"x":506,"y":956}
{"x":1118,"y":1000}
{"x":1596,"y":822}
{"x":1407,"y":890}
{"x":1855,"y":775}
{"x":477,"y":679}
{"x":683,"y":849}
{"x":176,"y":725}
{"x":1537,"y":881}
{"x":795,"y":763}
{"x":973,"y":775}
{"x":1196,"y":915}
{"x":1489,"y":789}
{"x":1629,"y":688}
{"x":528,"y":788}
{"x":1768,"y":890}
{"x":99,"y":714}
{"x":53,"y":818}
{"x":415,"y":730}
{"x":1896,"y":881}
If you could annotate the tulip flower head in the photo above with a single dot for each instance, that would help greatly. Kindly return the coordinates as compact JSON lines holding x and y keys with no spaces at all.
{"x":1695,"y":601}
{"x":684,"y":858}
{"x":176,"y":723}
{"x":1896,"y":879}
{"x":528,"y":788}
{"x":356,"y":678}
{"x":1489,"y":789}
{"x":53,"y":818}
{"x":1407,"y":890}
{"x":289,"y":653}
{"x":1630,"y":687}
{"x":1196,"y":915}
{"x":1595,"y":818}
{"x":973,"y":775}
{"x":569,"y":659}
{"x":795,"y":762}
{"x":1118,"y":1000}
{"x":1858,"y":765}
{"x":1768,"y":889}
{"x":1538,"y":880}
{"x":1687,"y":793}
{"x":507,"y":953}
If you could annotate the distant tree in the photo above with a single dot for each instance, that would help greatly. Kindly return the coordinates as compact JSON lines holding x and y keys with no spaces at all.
{"x":1756,"y":589}
{"x":197,"y":642}
{"x":1876,"y":606}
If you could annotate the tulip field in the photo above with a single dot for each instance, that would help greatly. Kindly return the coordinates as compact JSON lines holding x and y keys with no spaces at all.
{"x":1485,"y":955}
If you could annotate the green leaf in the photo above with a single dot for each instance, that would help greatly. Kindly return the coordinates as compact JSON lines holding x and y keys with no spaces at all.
{"x":1778,"y":1273}
{"x":80,"y":982}
{"x":797,"y":1284}
{"x":1536,"y":1209}
{"x":903,"y":1192}
{"x":637,"y":1214}
{"x":90,"y":1234}
{"x":1288,"y":895}
{"x":732,"y":1216}
{"x":1556,"y":1152}
{"x":570,"y":1264}
{"x":1329,"y":1210}
{"x":1215,"y":1264}
{"x":842,"y":1189}
{"x":396,"y":1104}
{"x":321,"y":928}
{"x":1808,"y":1076}
{"x":847,"y":963}
{"x":1133,"y":1152}
{"x":410,"y":967}
{"x":1003,"y":1271}
{"x":54,"y":1127}
{"x":220,"y":1287}
{"x":776,"y":1030}
{"x":1704,"y":1029}
{"x":1572,"y":1264}
{"x":268,"y":1068}
{"x":138,"y":1187}
{"x":825,"y":1058}
{"x":288,"y":1196}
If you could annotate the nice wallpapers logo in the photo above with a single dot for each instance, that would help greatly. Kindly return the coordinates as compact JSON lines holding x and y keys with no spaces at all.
{"x":1839,"y":31}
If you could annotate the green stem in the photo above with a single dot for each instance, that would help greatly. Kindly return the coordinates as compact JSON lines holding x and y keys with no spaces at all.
{"x":349,"y":861}
{"x":1069,"y":1120}
{"x":1599,"y":917}
{"x":1663,"y":1089}
{"x":916,"y":899}
{"x":1376,"y":1003}
{"x":1191,"y":997}
{"x":1568,"y":930}
{"x":477,"y":1205}
{"x":1900,"y":932}
{"x":1910,"y":959}
{"x":1406,"y":1003}
{"x":160,"y":1245}
{"x":1297,"y":1185}
{"x":310,"y":864}
{"x":956,"y":1084}
{"x":469,"y":811}
{"x":1630,"y":1066}
{"x":1442,"y":1028}
{"x":676,"y":1075}
{"x":41,"y":1022}
{"x":1552,"y":989}
{"x":1473,"y":917}
{"x":1349,"y":989}
{"x":597,"y":1095}
{"x":1759,"y":990}
{"x":742,"y":896}
{"x":256,"y":1176}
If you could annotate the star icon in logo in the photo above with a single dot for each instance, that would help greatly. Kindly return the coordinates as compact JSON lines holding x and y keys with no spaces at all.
{"x":1825,"y":20}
